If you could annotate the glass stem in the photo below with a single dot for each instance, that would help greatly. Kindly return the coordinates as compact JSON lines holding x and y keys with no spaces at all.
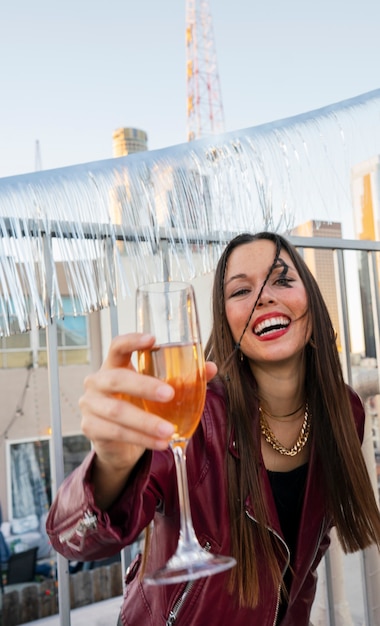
{"x":187,"y":536}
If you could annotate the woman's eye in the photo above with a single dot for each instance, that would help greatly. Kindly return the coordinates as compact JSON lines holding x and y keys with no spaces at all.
{"x":284,"y":282}
{"x":240,"y":292}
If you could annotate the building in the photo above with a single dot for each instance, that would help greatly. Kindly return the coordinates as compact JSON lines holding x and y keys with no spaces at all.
{"x":27,"y":485}
{"x":122,"y":203}
{"x":365,"y":189}
{"x":321,"y":264}
{"x":128,"y":141}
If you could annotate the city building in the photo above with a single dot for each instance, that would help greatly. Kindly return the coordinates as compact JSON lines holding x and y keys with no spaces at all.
{"x":27,"y":484}
{"x":122,"y":203}
{"x":128,"y":141}
{"x":321,"y":263}
{"x":365,"y":190}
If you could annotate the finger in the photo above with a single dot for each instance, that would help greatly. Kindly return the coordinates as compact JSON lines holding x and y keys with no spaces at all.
{"x":121,"y":348}
{"x":110,"y":418}
{"x":211,"y":370}
{"x":126,"y":383}
{"x":112,"y":434}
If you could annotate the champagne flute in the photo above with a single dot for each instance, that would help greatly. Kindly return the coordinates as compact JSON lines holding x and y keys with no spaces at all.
{"x":167,"y":310}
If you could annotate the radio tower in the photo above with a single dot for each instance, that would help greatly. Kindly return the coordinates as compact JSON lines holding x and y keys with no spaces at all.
{"x":204,"y":101}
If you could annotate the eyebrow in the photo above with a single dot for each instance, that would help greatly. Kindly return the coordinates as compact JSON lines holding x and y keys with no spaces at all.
{"x":235,"y":278}
{"x":280,"y":265}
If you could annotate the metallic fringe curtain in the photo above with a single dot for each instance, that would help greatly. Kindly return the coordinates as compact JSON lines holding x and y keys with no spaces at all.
{"x":175,"y":206}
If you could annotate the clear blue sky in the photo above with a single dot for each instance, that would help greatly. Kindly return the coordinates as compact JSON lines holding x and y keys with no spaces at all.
{"x":73,"y":71}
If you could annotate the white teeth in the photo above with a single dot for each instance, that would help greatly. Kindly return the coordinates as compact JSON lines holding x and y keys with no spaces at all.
{"x":270,"y":323}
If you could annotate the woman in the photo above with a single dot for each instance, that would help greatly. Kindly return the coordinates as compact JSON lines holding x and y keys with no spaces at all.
{"x":274,"y":464}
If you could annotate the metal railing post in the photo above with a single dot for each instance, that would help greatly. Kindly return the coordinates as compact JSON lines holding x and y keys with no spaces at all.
{"x":370,"y":560}
{"x":114,"y":327}
{"x":56,"y":460}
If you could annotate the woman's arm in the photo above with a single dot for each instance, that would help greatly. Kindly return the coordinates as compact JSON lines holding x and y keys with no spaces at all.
{"x":114,"y":420}
{"x":102,"y":498}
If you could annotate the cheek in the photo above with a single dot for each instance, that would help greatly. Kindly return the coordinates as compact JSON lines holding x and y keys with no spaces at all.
{"x":297,"y":303}
{"x":235,"y":321}
{"x":237,"y":317}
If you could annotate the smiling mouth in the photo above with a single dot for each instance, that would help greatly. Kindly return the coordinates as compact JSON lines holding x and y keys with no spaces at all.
{"x":270,"y":325}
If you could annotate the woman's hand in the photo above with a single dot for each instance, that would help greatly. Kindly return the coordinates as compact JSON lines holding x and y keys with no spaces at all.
{"x":113,"y":417}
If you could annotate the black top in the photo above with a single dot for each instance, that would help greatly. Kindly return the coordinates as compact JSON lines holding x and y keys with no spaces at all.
{"x":288,"y":491}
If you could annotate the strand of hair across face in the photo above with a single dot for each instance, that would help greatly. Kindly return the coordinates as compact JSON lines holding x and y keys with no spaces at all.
{"x":278,"y":250}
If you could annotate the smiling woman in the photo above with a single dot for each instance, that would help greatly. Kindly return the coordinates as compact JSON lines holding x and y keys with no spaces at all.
{"x":274,"y":464}
{"x":266,"y":302}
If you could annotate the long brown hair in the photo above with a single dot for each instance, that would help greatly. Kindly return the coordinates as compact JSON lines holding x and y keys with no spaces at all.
{"x":349,"y":495}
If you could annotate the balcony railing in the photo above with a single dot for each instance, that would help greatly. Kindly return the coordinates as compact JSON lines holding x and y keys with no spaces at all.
{"x":363,"y":374}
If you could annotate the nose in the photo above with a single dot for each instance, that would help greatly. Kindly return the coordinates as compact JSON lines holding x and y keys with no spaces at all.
{"x":266,"y":296}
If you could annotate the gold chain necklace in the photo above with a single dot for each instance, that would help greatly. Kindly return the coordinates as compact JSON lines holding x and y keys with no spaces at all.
{"x":274,"y":442}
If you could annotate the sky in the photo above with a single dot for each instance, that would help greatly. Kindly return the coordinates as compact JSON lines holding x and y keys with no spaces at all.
{"x":72,"y":72}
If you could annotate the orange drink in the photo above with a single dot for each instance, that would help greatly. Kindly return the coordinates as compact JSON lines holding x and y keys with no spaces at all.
{"x":181,"y":366}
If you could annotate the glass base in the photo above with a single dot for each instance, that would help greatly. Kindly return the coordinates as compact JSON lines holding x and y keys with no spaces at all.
{"x":179,"y":569}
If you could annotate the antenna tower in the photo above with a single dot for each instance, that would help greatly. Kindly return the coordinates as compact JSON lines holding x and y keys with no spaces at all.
{"x":204,"y":101}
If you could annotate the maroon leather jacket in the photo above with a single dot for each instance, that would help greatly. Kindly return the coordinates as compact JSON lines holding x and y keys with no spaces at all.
{"x":80,"y":531}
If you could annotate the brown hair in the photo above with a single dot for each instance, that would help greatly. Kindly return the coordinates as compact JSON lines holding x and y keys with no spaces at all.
{"x":349,"y":495}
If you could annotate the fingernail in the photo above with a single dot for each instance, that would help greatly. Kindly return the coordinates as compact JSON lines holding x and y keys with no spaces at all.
{"x":146,"y":337}
{"x":165,"y":429}
{"x":164,"y":392}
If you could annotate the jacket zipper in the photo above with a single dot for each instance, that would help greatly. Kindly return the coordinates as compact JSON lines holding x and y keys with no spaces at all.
{"x":180,"y":601}
{"x":283,"y":571}
{"x":89,"y":521}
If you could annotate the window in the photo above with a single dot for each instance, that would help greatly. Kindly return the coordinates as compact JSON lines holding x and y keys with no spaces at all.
{"x":29,"y":476}
{"x":73,"y":345}
{"x":15,"y":350}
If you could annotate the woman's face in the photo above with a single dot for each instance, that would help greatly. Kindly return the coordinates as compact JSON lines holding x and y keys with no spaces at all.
{"x":280,"y":325}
